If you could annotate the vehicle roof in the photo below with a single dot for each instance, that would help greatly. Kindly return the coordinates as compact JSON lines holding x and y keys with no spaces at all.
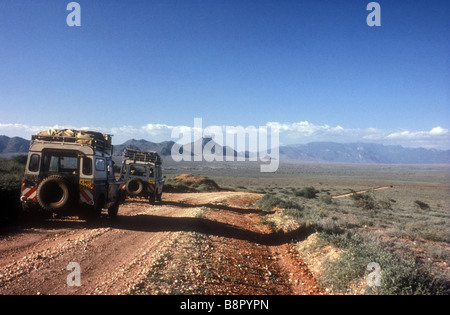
{"x":92,"y":139}
{"x":39,"y":146}
{"x":129,"y":162}
{"x":145,"y":157}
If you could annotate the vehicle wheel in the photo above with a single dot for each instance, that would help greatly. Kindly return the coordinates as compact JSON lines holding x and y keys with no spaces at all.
{"x":152,"y":198}
{"x":98,"y":207}
{"x":53,"y":193}
{"x":134,"y":186}
{"x":113,"y":210}
{"x":91,"y":213}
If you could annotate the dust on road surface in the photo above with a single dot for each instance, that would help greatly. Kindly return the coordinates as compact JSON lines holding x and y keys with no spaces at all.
{"x":194,"y":243}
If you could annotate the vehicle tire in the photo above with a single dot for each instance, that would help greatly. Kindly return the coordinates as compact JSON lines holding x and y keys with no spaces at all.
{"x":134,"y":186}
{"x":53,"y":193}
{"x":92,"y":213}
{"x":113,"y":210}
{"x":152,"y":198}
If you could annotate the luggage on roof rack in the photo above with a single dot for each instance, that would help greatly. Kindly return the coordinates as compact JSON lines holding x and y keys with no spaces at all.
{"x":141,"y":156}
{"x":83,"y":137}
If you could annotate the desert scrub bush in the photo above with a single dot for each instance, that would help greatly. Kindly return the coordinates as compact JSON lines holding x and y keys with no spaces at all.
{"x":365,"y":201}
{"x":427,"y":229}
{"x":296,"y":214}
{"x":386,"y":203}
{"x":422,"y":205}
{"x":11,"y":173}
{"x":269,"y":202}
{"x":399,"y":275}
{"x":191,"y":183}
{"x":307,"y":192}
{"x":327,"y":200}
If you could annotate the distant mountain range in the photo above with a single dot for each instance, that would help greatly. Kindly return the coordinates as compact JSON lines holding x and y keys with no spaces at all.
{"x":361,"y":153}
{"x":13,"y":146}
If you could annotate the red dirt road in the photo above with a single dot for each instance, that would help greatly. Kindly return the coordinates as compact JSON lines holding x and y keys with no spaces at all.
{"x":207,"y":243}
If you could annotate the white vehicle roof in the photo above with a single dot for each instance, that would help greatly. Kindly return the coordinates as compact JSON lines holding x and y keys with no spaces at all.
{"x":87,"y":142}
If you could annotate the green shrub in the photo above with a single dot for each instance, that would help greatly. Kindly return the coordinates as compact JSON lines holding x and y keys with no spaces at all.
{"x":422,"y":205}
{"x":327,"y":200}
{"x":269,"y":202}
{"x":307,"y":192}
{"x":296,"y":214}
{"x":365,"y":201}
{"x":20,"y":159}
{"x":386,"y":204}
{"x":191,"y":183}
{"x":11,"y":173}
{"x":399,"y":276}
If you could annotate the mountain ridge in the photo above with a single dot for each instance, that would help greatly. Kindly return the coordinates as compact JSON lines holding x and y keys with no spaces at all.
{"x":362,"y":153}
{"x":333,"y":152}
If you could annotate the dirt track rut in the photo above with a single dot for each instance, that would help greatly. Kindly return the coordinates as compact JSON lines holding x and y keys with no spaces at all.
{"x":209,"y":243}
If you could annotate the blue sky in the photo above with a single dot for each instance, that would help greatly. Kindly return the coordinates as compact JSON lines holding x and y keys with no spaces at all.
{"x":313,"y":69}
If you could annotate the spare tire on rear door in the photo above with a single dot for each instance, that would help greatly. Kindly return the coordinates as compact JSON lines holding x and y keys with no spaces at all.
{"x":53,"y":193}
{"x":135,"y":186}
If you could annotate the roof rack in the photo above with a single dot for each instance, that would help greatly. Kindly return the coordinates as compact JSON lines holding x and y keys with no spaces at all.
{"x":93,"y":139}
{"x":141,"y":156}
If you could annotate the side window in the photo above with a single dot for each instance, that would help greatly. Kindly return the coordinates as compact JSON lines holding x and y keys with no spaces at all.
{"x":87,"y":166}
{"x":34,"y":163}
{"x":152,"y":172}
{"x":110,"y":167}
{"x":100,"y":165}
{"x":158,"y":172}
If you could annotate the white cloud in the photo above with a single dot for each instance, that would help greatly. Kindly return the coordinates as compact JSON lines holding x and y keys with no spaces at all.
{"x":25,"y":131}
{"x":307,"y":129}
{"x":438,"y":131}
{"x":436,"y":138}
{"x":419,"y":135}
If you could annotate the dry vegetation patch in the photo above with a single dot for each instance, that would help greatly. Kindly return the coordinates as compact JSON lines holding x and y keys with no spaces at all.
{"x":409,"y":239}
{"x":190,"y":183}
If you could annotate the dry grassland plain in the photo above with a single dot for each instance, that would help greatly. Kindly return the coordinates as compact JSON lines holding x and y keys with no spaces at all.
{"x":397,"y":216}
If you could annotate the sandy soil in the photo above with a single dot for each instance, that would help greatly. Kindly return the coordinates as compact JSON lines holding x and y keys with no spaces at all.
{"x":195,"y":243}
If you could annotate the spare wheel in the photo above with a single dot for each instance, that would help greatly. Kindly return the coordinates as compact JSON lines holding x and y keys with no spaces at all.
{"x":135,"y":186}
{"x":53,"y":193}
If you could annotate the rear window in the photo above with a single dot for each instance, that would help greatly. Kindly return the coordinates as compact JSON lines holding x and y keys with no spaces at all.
{"x":138,"y":170}
{"x":100,"y":165}
{"x":34,"y":163}
{"x":60,"y":162}
{"x":87,"y":166}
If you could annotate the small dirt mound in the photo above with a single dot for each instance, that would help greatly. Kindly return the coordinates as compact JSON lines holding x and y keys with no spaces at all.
{"x":191,"y":183}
